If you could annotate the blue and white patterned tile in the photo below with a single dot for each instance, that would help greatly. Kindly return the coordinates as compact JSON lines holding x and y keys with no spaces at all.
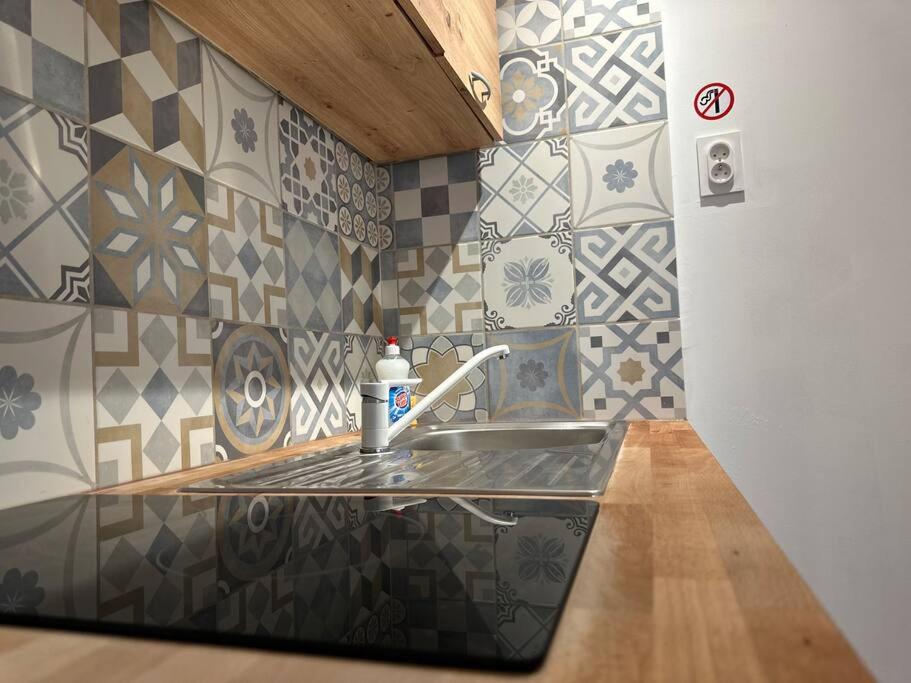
{"x":528,"y":282}
{"x":527,"y":23}
{"x":46,"y":423}
{"x":524,"y":188}
{"x":632,"y":371}
{"x":389,"y":293}
{"x":313,"y":277}
{"x":615,"y":79}
{"x":361,"y":356}
{"x":626,"y":273}
{"x":44,"y":222}
{"x":621,"y":175}
{"x":317,"y":362}
{"x":539,"y":380}
{"x":385,"y":210}
{"x":362,"y":305}
{"x":589,"y":17}
{"x":533,"y":93}
{"x":355,"y":188}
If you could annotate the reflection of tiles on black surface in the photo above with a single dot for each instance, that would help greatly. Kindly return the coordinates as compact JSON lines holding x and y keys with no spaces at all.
{"x":263,"y":607}
{"x":523,"y":629}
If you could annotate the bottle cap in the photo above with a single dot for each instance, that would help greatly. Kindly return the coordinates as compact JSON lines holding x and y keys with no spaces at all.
{"x":392,"y":346}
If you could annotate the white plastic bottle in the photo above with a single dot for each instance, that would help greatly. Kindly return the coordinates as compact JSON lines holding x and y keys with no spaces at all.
{"x":392,"y":367}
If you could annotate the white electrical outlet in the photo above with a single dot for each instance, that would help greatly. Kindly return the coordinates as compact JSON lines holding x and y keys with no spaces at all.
{"x":720,"y":162}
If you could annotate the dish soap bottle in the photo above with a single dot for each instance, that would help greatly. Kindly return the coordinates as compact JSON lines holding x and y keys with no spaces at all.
{"x":390,"y":368}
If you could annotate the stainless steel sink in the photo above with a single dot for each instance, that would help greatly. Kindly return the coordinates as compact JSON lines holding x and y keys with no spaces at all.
{"x":542,"y":458}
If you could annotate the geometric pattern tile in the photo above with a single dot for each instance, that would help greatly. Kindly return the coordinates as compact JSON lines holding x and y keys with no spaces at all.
{"x":541,"y":378}
{"x":362,"y":305}
{"x":528,"y":282}
{"x":317,"y":370}
{"x":44,"y":222}
{"x":246,"y":258}
{"x":436,"y":200}
{"x":433,"y":359}
{"x":588,"y":17}
{"x":524,"y":188}
{"x":621,"y":175}
{"x":251,"y":389}
{"x":153,"y":384}
{"x":145,"y":82}
{"x":241,"y":129}
{"x":313,"y":277}
{"x":385,"y":215}
{"x":46,"y":422}
{"x":615,"y":80}
{"x":440,"y":289}
{"x":42,"y":52}
{"x":533,"y":93}
{"x":361,"y":355}
{"x":355,"y":189}
{"x":148,"y":231}
{"x":626,"y":273}
{"x":632,"y":371}
{"x":389,"y":290}
{"x":307,"y":168}
{"x":527,"y":23}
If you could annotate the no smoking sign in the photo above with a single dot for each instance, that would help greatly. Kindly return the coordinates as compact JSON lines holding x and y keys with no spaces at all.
{"x":714,"y":101}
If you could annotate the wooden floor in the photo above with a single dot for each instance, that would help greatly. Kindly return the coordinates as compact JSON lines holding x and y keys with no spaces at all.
{"x":680,"y":582}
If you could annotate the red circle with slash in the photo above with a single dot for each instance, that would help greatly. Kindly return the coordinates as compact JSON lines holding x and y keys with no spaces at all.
{"x":714,"y":101}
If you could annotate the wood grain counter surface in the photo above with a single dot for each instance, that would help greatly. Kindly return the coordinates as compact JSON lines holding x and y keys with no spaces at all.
{"x":680,"y":582}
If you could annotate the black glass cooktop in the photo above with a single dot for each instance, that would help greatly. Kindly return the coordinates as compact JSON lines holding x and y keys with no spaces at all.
{"x":479,"y":582}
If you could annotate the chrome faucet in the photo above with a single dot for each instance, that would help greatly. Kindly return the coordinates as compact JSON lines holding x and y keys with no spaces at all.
{"x":376,"y":433}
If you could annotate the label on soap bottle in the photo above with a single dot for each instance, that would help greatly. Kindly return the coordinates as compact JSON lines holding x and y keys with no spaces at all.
{"x":399,"y":403}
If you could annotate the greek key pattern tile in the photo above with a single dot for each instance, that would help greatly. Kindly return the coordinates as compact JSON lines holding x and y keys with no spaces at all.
{"x":361,"y":355}
{"x":440,"y":289}
{"x":148,"y":231}
{"x":355,"y":186}
{"x":527,"y":23}
{"x":154,"y":394}
{"x":145,"y":82}
{"x":626,"y":273}
{"x":307,"y":168}
{"x":317,"y":370}
{"x":43,"y":53}
{"x":632,"y":371}
{"x":588,"y":17}
{"x":44,"y":222}
{"x":524,"y":188}
{"x":362,"y":306}
{"x":313,"y":277}
{"x":528,"y":282}
{"x":533,"y":91}
{"x":436,"y":200}
{"x":615,"y":79}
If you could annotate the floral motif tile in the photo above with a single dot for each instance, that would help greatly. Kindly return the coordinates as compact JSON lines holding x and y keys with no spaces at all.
{"x":385,"y":216}
{"x":307,"y":168}
{"x":539,"y":380}
{"x":436,"y":200}
{"x":621,"y":176}
{"x":42,"y":52}
{"x":528,"y":282}
{"x":524,"y":188}
{"x":440,"y":289}
{"x":615,"y":79}
{"x":241,"y":125}
{"x":44,"y":222}
{"x":148,"y":231}
{"x":362,"y":306}
{"x":46,"y":422}
{"x":626,"y":273}
{"x":251,"y":385}
{"x":533,"y":91}
{"x":246,"y":257}
{"x":317,"y":371}
{"x":355,"y":187}
{"x":389,"y":292}
{"x":527,"y":23}
{"x":313,"y":277}
{"x":433,"y":358}
{"x":588,"y":17}
{"x":632,"y":371}
{"x":145,"y":81}
{"x":153,"y":400}
{"x":361,"y":355}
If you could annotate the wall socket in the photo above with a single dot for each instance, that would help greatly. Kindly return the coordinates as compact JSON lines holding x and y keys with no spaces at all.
{"x":720,"y":160}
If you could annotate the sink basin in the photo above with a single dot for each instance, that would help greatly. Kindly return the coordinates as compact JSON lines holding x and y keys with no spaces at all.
{"x":541,"y":458}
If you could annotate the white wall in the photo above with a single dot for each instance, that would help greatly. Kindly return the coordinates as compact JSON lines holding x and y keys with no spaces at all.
{"x":795,"y":303}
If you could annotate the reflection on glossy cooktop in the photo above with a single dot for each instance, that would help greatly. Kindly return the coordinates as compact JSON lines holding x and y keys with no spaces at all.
{"x":479,"y":582}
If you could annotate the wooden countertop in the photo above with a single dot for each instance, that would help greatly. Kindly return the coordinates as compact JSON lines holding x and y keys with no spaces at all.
{"x":680,"y":582}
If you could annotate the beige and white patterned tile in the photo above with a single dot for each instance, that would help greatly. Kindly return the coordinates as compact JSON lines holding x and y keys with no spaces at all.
{"x":317,"y":361}
{"x":533,"y":90}
{"x":362,"y":304}
{"x":361,"y":356}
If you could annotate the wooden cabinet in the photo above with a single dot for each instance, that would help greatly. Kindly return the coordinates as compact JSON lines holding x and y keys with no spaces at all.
{"x":393,"y":77}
